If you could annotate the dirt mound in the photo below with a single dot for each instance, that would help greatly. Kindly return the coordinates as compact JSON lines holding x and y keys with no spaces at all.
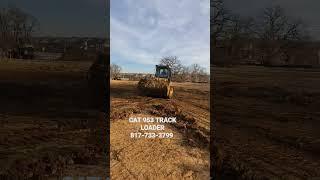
{"x":50,"y":163}
{"x":225,"y":166}
{"x":152,"y":86}
{"x":193,"y":134}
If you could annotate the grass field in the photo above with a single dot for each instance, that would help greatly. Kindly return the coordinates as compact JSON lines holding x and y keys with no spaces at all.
{"x":267,"y":122}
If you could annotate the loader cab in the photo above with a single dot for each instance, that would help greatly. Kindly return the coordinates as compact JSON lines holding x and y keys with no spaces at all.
{"x":163,"y":72}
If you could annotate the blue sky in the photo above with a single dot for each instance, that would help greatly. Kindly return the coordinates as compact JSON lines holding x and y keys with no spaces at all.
{"x":143,"y":31}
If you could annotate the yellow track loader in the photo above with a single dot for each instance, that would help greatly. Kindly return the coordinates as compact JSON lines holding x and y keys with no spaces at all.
{"x":159,"y":85}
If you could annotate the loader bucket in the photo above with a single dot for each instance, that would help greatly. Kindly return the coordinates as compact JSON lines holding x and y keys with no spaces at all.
{"x":155,"y":87}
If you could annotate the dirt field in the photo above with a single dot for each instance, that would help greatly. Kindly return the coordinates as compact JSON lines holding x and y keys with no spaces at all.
{"x":45,"y":120}
{"x":186,"y":155}
{"x":267,"y":122}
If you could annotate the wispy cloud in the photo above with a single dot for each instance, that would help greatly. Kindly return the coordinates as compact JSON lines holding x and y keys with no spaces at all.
{"x":143,"y":31}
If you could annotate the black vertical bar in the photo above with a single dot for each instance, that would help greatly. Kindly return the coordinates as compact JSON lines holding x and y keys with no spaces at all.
{"x":107,"y":90}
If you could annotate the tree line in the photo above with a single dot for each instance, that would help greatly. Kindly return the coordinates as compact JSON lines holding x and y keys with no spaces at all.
{"x":272,"y":26}
{"x":180,"y":73}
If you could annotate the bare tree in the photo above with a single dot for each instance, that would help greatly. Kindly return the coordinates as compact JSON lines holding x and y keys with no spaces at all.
{"x":196,"y":72}
{"x":173,"y":62}
{"x":219,"y":18}
{"x":115,"y":71}
{"x":16,"y":27}
{"x":272,"y":33}
{"x":4,"y":28}
{"x":230,"y":28}
{"x":276,"y":25}
{"x":238,"y":28}
{"x":23,"y":25}
{"x":277,"y":31}
{"x":234,"y":28}
{"x":185,"y":73}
